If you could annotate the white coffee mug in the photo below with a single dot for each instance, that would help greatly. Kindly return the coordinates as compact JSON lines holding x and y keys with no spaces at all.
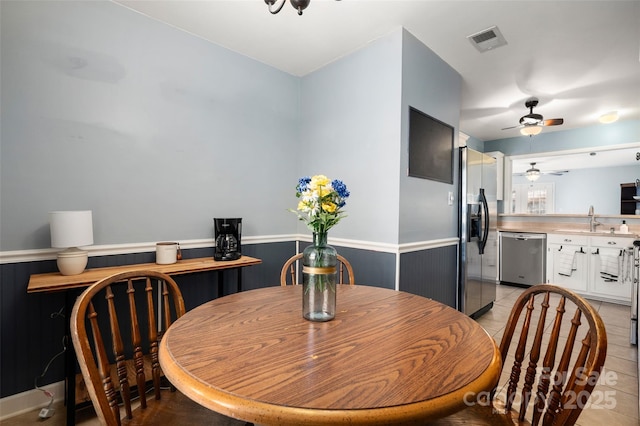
{"x":167,"y":253}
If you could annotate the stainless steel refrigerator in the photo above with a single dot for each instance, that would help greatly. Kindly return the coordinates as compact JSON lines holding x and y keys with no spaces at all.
{"x":478,"y":232}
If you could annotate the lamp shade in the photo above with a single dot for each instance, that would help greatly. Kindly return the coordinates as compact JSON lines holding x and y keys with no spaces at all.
{"x":71,"y":228}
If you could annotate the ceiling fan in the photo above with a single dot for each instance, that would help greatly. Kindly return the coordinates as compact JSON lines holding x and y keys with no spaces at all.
{"x":533,"y":173}
{"x":531,"y":124}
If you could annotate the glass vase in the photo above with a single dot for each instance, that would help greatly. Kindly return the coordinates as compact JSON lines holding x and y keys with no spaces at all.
{"x":319,"y":276}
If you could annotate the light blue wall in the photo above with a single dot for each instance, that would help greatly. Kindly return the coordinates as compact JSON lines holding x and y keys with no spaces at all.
{"x":623,"y":132}
{"x":158,"y":132}
{"x":432,"y":86}
{"x":475,"y":144}
{"x":581,"y":188}
{"x":153,"y":129}
{"x":350,"y":130}
{"x":577,"y":190}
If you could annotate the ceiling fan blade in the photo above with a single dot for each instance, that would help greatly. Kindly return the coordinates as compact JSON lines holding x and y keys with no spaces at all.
{"x":548,"y":172}
{"x":553,"y":122}
{"x":513,"y":127}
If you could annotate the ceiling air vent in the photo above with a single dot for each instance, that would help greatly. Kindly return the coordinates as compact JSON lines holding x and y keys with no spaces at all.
{"x":487,"y":39}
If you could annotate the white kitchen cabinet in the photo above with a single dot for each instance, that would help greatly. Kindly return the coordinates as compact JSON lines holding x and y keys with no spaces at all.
{"x":567,"y":261}
{"x":606,"y":251}
{"x":591,"y":253}
{"x":500,"y":174}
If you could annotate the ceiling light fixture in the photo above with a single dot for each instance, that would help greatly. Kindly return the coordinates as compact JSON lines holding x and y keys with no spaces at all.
{"x":610,"y":117}
{"x":531,"y":130}
{"x":532,"y":174}
{"x":299,"y":5}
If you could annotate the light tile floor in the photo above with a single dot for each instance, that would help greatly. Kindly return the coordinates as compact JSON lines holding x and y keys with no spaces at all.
{"x":621,"y":364}
{"x":622,"y":359}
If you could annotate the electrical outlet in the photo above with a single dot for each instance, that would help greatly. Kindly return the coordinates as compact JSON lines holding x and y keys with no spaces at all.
{"x":45,"y":413}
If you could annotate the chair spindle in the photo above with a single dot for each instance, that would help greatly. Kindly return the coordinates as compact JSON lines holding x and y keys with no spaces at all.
{"x":530,"y":375}
{"x":153,"y":337}
{"x":519,"y":356}
{"x":561,"y":372}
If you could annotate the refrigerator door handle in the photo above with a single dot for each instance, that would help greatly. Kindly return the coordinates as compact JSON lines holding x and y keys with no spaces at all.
{"x":482,"y":242}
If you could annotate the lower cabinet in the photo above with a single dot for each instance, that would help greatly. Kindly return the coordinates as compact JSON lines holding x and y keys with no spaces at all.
{"x":594,"y":266}
{"x":610,"y":254}
{"x":567,"y":261}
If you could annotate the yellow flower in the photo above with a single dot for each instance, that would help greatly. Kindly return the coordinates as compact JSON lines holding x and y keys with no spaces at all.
{"x":319,"y":180}
{"x":323,"y":191}
{"x":320,"y":202}
{"x":329,"y":207}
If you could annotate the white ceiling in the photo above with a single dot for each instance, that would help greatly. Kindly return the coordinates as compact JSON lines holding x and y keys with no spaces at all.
{"x":580,"y":58}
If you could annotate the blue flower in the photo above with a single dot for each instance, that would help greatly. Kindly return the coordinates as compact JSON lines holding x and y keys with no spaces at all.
{"x":303,"y":183}
{"x":340,"y":188}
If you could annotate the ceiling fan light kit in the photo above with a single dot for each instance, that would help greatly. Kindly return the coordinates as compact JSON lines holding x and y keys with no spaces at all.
{"x":532,"y":174}
{"x":531,"y":124}
{"x":530,"y":130}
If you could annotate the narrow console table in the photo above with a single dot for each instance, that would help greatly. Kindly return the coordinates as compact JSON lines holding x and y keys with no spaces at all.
{"x":55,"y":281}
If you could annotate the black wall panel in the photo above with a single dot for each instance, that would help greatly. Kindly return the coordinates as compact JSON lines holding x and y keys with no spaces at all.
{"x":431,"y":273}
{"x":372,"y":268}
{"x":32,"y":326}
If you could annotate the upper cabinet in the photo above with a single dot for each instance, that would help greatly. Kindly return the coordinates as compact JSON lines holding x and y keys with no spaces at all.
{"x":628,"y":204}
{"x":500,"y":173}
{"x":500,"y":166}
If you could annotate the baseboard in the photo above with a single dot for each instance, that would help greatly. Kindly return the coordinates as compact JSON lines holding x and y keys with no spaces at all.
{"x":34,"y":399}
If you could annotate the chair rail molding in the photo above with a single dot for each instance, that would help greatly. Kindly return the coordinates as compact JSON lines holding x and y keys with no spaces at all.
{"x":35,"y":255}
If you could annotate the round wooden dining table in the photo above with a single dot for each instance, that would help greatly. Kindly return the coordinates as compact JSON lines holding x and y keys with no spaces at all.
{"x":388,"y":357}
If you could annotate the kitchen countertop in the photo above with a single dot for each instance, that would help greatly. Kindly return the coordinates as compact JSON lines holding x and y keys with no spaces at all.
{"x":564,"y":229}
{"x":567,"y":224}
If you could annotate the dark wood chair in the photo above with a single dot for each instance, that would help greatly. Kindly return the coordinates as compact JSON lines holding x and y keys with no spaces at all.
{"x":554,"y":364}
{"x":128,"y":312}
{"x":289,"y":273}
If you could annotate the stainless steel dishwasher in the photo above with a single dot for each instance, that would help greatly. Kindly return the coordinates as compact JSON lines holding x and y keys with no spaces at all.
{"x":523,"y":258}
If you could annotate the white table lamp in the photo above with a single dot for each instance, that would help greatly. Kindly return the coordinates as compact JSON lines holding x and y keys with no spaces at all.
{"x":70,"y":230}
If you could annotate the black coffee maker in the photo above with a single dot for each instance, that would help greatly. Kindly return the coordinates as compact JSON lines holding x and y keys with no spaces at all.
{"x":228,"y":233}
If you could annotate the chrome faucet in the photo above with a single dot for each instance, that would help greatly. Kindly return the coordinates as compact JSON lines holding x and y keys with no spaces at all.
{"x":592,"y":220}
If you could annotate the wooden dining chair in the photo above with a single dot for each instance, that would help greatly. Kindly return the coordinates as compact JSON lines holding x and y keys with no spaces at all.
{"x":116,"y":327}
{"x":553,"y":365}
{"x":289,"y":273}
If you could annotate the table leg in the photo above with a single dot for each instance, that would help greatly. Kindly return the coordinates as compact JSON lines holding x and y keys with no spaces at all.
{"x":70,"y":362}
{"x":221,"y":282}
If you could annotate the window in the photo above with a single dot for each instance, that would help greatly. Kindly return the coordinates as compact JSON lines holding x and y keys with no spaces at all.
{"x":532,"y":198}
